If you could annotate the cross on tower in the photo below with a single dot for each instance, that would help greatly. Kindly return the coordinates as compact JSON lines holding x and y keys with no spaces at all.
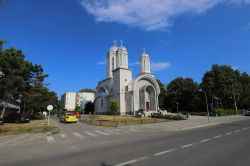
{"x":121,"y":41}
{"x":114,"y":41}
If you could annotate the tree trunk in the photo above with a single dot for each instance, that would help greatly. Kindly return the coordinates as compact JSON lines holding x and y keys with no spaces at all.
{"x":3,"y":111}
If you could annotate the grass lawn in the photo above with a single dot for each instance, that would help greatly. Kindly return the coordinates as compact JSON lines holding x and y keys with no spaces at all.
{"x":34,"y":126}
{"x":111,"y":121}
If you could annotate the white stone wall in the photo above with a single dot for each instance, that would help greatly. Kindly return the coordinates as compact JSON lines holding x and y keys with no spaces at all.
{"x":69,"y":101}
{"x":122,"y":77}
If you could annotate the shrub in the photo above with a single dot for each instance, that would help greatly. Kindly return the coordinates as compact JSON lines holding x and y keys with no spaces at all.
{"x":169,"y":116}
{"x":225,"y":112}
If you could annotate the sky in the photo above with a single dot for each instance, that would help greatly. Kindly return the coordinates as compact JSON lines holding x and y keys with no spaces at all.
{"x":184,"y":38}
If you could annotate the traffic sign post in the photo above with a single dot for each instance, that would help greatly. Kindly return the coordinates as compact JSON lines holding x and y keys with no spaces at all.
{"x":49,"y":108}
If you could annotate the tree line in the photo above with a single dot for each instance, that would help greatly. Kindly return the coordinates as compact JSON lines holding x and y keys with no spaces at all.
{"x":22,"y":81}
{"x":225,"y":88}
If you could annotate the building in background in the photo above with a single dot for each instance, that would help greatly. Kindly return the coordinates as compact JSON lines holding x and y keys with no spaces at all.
{"x":132,"y":95}
{"x":70,"y":100}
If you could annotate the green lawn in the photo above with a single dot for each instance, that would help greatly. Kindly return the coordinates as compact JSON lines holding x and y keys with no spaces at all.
{"x":111,"y":121}
{"x":34,"y":126}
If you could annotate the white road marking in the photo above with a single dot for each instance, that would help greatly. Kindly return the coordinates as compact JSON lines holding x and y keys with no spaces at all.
{"x":63,"y":135}
{"x":205,"y":140}
{"x":228,"y":133}
{"x":133,"y":130}
{"x":237,"y":131}
{"x":79,"y":136}
{"x":188,"y":145}
{"x":101,"y":132}
{"x":245,"y":128}
{"x":116,"y":129}
{"x":91,"y":134}
{"x":50,"y":139}
{"x":15,"y":140}
{"x":112,"y":132}
{"x":143,"y":158}
{"x":164,"y":152}
{"x":127,"y":162}
{"x":218,"y":136}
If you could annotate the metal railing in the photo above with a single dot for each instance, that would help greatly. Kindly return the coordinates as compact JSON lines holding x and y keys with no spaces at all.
{"x":116,"y":123}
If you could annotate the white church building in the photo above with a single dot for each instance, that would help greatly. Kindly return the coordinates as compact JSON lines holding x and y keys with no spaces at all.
{"x":132,"y":95}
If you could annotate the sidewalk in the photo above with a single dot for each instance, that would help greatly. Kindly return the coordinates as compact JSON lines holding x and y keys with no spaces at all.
{"x":191,"y":123}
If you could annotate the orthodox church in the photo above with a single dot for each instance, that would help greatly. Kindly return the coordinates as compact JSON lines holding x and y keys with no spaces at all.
{"x":131,"y":95}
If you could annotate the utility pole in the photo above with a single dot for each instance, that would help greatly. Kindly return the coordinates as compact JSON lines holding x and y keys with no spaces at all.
{"x":206,"y":103}
{"x":235,"y":103}
{"x":177,"y":107}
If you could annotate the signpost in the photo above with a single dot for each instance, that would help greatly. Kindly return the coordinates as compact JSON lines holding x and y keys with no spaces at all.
{"x":49,"y":108}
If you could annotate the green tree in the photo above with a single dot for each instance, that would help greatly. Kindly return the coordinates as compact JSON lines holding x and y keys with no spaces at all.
{"x":77,"y":109}
{"x":16,"y":75}
{"x":2,"y":41}
{"x":87,"y":90}
{"x":162,"y":96}
{"x":89,"y":108}
{"x":19,"y":77}
{"x":244,"y":101}
{"x":114,"y":107}
{"x":222,"y":82}
{"x":183,"y":91}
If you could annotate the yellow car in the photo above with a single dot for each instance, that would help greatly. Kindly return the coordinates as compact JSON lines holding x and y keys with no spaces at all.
{"x":68,"y":117}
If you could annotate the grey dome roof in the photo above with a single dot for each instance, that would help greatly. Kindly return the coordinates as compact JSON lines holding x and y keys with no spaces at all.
{"x":113,"y":48}
{"x":144,"y":54}
{"x":121,"y":48}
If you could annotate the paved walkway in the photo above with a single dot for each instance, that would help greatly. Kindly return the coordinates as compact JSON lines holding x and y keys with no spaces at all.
{"x":191,"y":123}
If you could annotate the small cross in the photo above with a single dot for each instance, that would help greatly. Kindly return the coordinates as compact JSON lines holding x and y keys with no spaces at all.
{"x":144,"y":50}
{"x":121,"y":42}
{"x":114,"y":42}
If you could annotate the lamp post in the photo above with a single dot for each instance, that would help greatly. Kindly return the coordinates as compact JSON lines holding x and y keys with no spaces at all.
{"x":177,"y":107}
{"x":235,"y":103}
{"x":1,"y":72}
{"x":20,"y":102}
{"x":206,"y":103}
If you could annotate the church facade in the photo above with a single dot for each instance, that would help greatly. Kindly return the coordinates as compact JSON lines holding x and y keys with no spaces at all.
{"x":132,"y":95}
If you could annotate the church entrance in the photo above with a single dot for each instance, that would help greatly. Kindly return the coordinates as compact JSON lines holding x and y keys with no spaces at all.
{"x":147,"y":106}
{"x":147,"y":98}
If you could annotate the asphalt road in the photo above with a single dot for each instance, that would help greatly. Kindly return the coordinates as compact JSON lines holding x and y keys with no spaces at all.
{"x":225,"y":144}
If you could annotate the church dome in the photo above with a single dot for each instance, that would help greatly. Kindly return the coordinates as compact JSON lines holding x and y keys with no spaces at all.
{"x":144,"y":54}
{"x":122,"y":49}
{"x":114,"y":47}
{"x":122,"y":57}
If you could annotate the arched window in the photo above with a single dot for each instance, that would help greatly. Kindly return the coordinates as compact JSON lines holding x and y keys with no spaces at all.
{"x":101,"y":92}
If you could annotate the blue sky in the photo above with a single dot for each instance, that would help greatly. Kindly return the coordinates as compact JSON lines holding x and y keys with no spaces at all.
{"x":70,"y":38}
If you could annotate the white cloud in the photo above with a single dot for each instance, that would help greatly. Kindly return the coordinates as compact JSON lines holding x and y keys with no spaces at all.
{"x":134,"y":63}
{"x":149,"y":15}
{"x":246,"y":27}
{"x":160,"y":66}
{"x":101,"y":63}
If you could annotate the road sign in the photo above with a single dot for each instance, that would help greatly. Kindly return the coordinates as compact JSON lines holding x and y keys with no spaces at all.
{"x":49,"y":107}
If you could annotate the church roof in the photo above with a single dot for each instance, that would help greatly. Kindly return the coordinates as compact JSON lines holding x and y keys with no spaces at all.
{"x":144,"y":53}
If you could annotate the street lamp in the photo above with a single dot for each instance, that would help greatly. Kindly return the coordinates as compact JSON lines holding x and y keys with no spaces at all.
{"x":235,"y":103}
{"x":1,"y":72}
{"x":206,"y":103}
{"x":177,"y":107}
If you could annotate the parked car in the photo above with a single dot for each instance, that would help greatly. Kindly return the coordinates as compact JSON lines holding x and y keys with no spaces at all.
{"x":78,"y":115}
{"x":68,"y":117}
{"x":17,"y":118}
{"x":1,"y":121}
{"x":247,"y":112}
